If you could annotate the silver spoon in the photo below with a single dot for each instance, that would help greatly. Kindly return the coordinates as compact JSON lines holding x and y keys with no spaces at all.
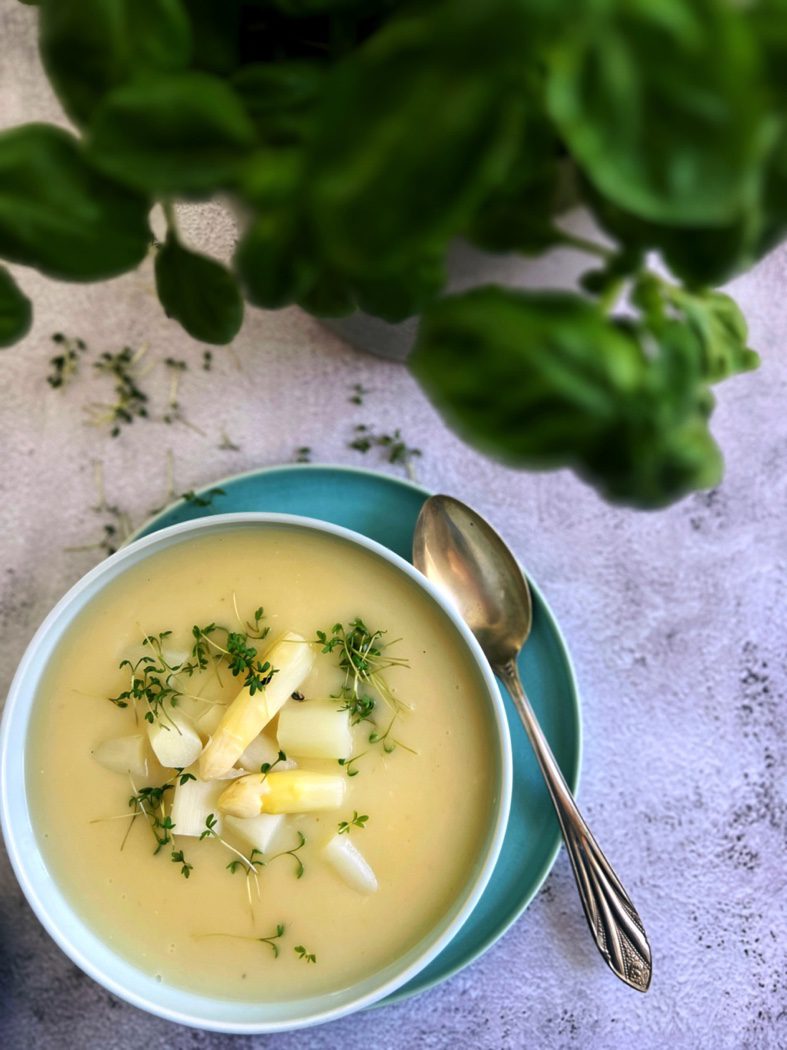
{"x":457,"y":550}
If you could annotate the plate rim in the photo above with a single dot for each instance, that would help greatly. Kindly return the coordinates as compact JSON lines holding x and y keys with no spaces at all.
{"x":572,"y":775}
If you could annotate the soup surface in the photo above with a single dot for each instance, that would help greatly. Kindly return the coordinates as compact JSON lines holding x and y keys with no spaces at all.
{"x":194,"y":913}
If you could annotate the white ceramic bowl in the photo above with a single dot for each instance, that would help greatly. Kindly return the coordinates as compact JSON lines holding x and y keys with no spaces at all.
{"x":76,"y":937}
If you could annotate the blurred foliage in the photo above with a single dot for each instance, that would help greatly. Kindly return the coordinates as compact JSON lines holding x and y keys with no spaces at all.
{"x":359,"y":138}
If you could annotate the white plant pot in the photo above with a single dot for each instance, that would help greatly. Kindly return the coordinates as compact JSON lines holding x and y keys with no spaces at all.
{"x":469,"y":267}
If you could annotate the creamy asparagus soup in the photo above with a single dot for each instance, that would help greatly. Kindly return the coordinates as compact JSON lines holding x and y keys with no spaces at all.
{"x":259,"y":764}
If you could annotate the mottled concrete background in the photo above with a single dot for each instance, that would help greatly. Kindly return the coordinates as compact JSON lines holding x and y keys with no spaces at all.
{"x":676,"y":621}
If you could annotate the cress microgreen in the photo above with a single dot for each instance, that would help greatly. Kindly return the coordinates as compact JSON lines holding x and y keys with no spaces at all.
{"x":356,"y":821}
{"x":270,"y":940}
{"x":210,"y":827}
{"x":178,"y":858}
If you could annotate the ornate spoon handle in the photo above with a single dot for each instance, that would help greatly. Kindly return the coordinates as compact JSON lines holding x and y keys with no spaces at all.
{"x":616,"y":927}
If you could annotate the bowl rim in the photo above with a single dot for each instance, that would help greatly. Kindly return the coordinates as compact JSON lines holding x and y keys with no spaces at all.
{"x":38,"y":890}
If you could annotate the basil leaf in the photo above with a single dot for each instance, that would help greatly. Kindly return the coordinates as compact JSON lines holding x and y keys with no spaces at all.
{"x":199,"y":292}
{"x":518,"y":212}
{"x":185,"y":133}
{"x":92,"y":46}
{"x":544,"y":380}
{"x":714,"y":318}
{"x":16,"y":312}
{"x":699,"y":255}
{"x":395,"y":296}
{"x":60,"y":215}
{"x":326,"y":295}
{"x":280,"y":98}
{"x":413,"y":128}
{"x":273,"y":268}
{"x":660,"y":105}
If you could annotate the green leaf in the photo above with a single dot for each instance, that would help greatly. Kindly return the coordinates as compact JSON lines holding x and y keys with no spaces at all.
{"x":714,"y":318}
{"x":496,"y":360}
{"x":60,"y":215}
{"x":544,"y":380}
{"x":413,"y":129}
{"x":92,"y":46}
{"x":518,"y":212}
{"x":199,"y":292}
{"x":280,"y":97}
{"x":273,"y":269}
{"x":326,"y":295}
{"x":520,"y":215}
{"x":405,"y":292}
{"x":185,"y":133}
{"x":16,"y":313}
{"x":699,"y":255}
{"x":661,"y":106}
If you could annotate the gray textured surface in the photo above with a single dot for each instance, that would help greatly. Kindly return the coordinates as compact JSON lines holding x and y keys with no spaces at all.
{"x":676,"y":622}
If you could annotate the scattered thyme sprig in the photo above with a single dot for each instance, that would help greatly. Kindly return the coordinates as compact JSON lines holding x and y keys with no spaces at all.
{"x":303,"y":954}
{"x":356,"y":821}
{"x":358,"y":394}
{"x":205,"y":500}
{"x":174,"y":411}
{"x":227,"y":444}
{"x":65,"y":365}
{"x":131,"y":402}
{"x":303,"y":454}
{"x":114,"y":531}
{"x":394,"y":446}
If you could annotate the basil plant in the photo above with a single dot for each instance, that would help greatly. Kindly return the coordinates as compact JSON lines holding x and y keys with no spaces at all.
{"x":360,"y":138}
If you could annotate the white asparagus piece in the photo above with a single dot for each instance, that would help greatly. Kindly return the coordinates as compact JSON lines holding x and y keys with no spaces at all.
{"x":315,"y":729}
{"x":350,"y":864}
{"x":257,"y":832}
{"x":263,"y":748}
{"x":190,"y":706}
{"x":175,"y":741}
{"x":193,"y":803}
{"x":208,"y":721}
{"x":123,"y":754}
{"x":294,"y":791}
{"x":248,"y":714}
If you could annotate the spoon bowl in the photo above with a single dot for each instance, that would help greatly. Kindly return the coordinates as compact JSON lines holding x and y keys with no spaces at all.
{"x":457,"y":550}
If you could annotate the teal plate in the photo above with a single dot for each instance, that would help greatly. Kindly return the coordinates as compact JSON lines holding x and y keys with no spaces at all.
{"x":385,"y":509}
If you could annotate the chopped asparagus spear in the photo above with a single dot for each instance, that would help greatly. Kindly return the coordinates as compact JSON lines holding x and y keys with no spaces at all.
{"x":247,"y":715}
{"x":316,"y":729}
{"x":294,"y":791}
{"x":350,"y":864}
{"x":175,"y":741}
{"x":194,"y":801}
{"x":123,"y":754}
